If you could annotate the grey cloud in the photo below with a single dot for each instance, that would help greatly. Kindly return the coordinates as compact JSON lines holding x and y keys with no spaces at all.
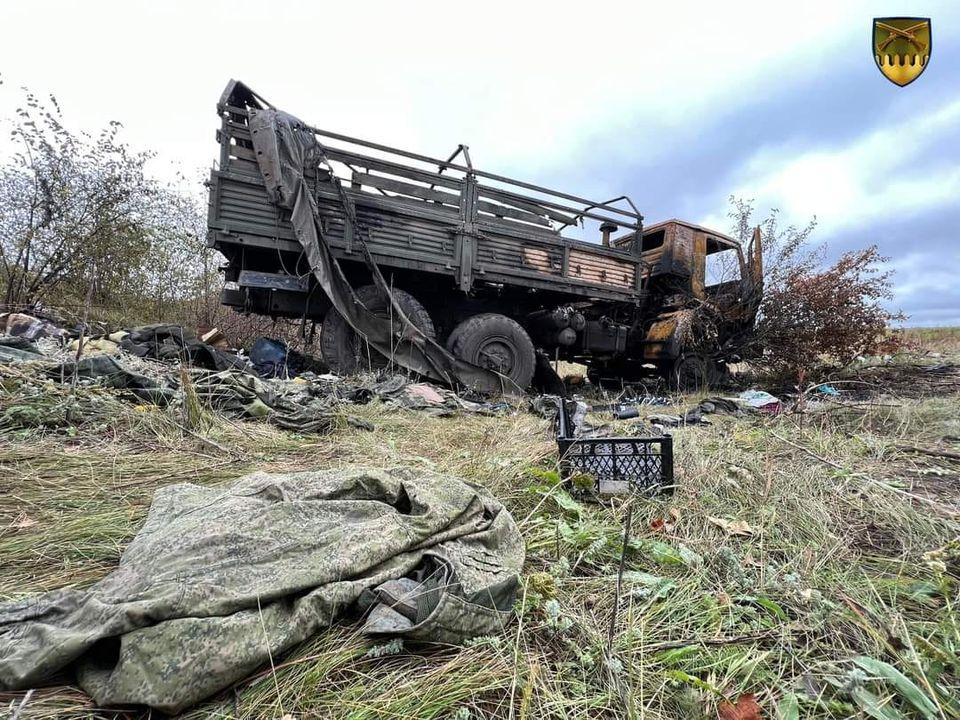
{"x":696,"y":165}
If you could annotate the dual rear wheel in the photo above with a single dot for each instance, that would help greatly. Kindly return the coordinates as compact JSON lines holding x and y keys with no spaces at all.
{"x":490,"y":340}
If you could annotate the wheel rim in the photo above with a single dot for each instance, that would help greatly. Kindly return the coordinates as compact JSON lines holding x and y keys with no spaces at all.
{"x":496,"y":353}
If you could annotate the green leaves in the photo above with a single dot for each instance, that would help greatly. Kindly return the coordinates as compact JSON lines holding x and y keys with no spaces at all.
{"x":566,"y":503}
{"x":789,"y":707}
{"x":665,"y":553}
{"x":874,"y":706}
{"x":904,"y":685}
{"x":649,"y":586}
{"x":766,"y":603}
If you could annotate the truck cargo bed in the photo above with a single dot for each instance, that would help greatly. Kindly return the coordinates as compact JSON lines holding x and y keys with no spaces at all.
{"x":440,"y":221}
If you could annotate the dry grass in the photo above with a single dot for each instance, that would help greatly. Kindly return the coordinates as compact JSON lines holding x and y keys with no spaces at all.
{"x":834,"y":568}
{"x":942,"y":340}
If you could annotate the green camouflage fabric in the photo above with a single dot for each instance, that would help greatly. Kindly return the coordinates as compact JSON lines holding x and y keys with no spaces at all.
{"x":221,"y":579}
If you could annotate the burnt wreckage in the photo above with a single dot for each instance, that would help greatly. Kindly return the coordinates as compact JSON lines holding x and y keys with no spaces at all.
{"x":462,"y":275}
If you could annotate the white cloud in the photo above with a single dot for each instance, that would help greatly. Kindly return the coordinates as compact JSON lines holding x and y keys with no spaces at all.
{"x":531,"y":86}
{"x":873,"y":177}
{"x":524,"y":83}
{"x":922,"y":275}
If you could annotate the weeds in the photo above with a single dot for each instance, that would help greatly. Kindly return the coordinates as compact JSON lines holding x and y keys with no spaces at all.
{"x":840,"y":601}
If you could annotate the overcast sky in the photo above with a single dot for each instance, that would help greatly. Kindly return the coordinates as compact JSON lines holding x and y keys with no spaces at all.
{"x":678,"y":105}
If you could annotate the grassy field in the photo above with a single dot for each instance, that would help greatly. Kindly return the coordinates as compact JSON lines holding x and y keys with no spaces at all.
{"x":810,"y":559}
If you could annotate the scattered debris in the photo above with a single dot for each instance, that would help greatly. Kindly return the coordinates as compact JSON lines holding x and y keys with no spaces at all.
{"x":174,"y":342}
{"x":144,"y":363}
{"x":762,"y":401}
{"x":269,"y":357}
{"x":695,"y":415}
{"x":216,"y":338}
{"x":272,"y":358}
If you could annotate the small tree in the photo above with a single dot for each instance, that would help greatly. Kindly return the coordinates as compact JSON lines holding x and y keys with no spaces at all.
{"x":70,"y":208}
{"x":82,"y":222}
{"x":813,"y":320}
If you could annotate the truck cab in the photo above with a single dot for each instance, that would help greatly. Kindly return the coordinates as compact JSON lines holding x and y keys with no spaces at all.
{"x":696,"y":275}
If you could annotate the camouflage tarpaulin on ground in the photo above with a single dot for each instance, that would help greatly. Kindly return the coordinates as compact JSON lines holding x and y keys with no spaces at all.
{"x":219,"y":580}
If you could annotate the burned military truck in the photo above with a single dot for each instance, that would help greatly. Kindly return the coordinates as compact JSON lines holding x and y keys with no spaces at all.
{"x":460,"y":274}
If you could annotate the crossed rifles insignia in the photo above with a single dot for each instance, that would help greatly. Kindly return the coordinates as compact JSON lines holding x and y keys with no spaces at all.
{"x":901,"y":47}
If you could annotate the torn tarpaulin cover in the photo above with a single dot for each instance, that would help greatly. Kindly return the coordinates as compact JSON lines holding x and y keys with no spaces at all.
{"x":221,"y":579}
{"x":286,"y":150}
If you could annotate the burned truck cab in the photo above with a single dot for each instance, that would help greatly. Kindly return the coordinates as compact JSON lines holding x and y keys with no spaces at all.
{"x":694,"y":276}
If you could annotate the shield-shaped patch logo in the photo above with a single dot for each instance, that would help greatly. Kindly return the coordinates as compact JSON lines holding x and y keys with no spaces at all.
{"x":901,"y":47}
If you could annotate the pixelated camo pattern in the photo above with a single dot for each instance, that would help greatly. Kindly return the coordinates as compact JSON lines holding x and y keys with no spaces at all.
{"x":220,"y":579}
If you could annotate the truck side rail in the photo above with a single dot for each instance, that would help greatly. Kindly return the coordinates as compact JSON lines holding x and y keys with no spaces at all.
{"x":499,"y":230}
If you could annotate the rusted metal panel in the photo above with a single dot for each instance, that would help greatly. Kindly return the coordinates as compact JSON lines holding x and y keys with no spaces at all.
{"x":595,"y":268}
{"x":698,"y":265}
{"x":659,"y":341}
{"x":507,"y":255}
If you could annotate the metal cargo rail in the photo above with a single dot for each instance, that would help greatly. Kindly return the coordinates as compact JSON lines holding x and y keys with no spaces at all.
{"x":424,"y":214}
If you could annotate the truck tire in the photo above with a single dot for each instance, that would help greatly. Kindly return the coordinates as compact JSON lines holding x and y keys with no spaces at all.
{"x":495,"y":342}
{"x":693,"y":372}
{"x":345,"y":351}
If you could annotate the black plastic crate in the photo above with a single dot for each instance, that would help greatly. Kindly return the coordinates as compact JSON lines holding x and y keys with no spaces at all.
{"x":618,"y":465}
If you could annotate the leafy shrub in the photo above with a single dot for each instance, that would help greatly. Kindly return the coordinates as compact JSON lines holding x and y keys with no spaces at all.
{"x":816,"y":319}
{"x":813,"y":318}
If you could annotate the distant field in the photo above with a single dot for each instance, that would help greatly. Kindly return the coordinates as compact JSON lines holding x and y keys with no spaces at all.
{"x":943,"y":339}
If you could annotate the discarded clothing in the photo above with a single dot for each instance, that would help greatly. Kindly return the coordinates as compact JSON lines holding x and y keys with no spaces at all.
{"x":220,"y":580}
{"x":112,"y":374}
{"x":18,"y":349}
{"x":20,"y":343}
{"x":695,"y":415}
{"x":173,"y":342}
{"x":296,"y":406}
{"x":399,"y":391}
{"x":665,"y":420}
{"x":94,"y":346}
{"x":720,"y":406}
{"x":29,"y":327}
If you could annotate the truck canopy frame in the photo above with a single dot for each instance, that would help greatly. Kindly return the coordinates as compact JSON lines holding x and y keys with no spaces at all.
{"x":428,"y":214}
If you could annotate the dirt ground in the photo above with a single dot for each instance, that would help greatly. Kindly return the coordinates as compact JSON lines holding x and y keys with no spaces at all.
{"x":808,"y":561}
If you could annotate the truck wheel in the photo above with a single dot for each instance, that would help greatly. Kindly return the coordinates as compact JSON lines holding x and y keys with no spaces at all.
{"x":345,"y":351}
{"x":496,"y":342}
{"x":693,"y":372}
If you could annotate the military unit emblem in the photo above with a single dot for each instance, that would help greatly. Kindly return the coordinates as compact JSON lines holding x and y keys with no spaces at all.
{"x":901,"y":47}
